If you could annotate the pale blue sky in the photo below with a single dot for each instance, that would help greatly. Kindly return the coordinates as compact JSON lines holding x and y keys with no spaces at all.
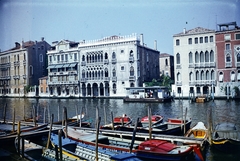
{"x":94,"y":19}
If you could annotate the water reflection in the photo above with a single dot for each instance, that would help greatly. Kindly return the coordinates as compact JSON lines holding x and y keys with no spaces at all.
{"x":222,"y":111}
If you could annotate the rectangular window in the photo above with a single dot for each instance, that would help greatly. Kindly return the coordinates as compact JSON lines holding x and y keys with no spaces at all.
{"x":206,"y":39}
{"x":190,"y":41}
{"x":62,"y":57}
{"x":227,"y":37}
{"x":58,"y":58}
{"x":201,"y":39}
{"x":211,"y":38}
{"x":237,"y":36}
{"x":196,"y":40}
{"x":75,"y":56}
{"x":177,"y":42}
{"x":227,"y":46}
{"x":50,"y":58}
{"x":122,"y":67}
{"x":66,"y":57}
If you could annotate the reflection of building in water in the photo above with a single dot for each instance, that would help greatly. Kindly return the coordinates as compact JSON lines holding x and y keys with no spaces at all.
{"x":102,"y":67}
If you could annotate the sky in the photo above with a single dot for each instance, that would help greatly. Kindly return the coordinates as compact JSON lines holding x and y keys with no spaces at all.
{"x":76,"y":20}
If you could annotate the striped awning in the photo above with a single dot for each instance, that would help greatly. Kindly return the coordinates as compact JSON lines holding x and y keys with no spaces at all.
{"x":59,"y":66}
{"x":51,"y":66}
{"x":72,"y":64}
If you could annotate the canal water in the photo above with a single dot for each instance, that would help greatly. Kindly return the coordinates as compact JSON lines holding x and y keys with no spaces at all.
{"x":222,"y":111}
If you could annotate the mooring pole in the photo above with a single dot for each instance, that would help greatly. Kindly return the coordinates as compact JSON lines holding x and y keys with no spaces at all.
{"x":18,"y":135}
{"x":4,"y":114}
{"x":97,"y":133}
{"x":13,"y":119}
{"x":50,"y":130}
{"x":80,"y":121}
{"x":134,"y":134}
{"x":150,"y":122}
{"x":112,"y":120}
{"x":60,"y":144}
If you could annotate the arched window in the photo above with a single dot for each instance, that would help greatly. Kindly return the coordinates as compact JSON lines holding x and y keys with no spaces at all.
{"x":96,"y":60}
{"x":206,"y":56}
{"x":106,"y":72}
{"x":83,"y":58}
{"x":190,"y":76}
{"x":228,"y":58}
{"x":212,"y":75}
{"x":106,"y":56}
{"x":178,"y":76}
{"x":207,"y":75}
{"x":201,"y":57}
{"x":131,"y":71}
{"x":220,"y":76}
{"x":190,"y":57}
{"x":113,"y":55}
{"x":197,"y":75}
{"x":114,"y":72}
{"x":92,"y":58}
{"x":131,"y":53}
{"x":202,"y":75}
{"x":232,"y":76}
{"x":211,"y":56}
{"x":166,"y":62}
{"x":178,"y":58}
{"x":83,"y":73}
{"x":31,"y":70}
{"x":238,"y":57}
{"x":196,"y":57}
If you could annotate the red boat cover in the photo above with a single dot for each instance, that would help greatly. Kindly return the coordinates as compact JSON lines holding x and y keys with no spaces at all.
{"x":126,"y":119}
{"x":179,"y":121}
{"x":160,"y":146}
{"x":154,"y":118}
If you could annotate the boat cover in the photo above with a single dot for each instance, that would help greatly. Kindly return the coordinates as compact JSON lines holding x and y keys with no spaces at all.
{"x":160,"y":146}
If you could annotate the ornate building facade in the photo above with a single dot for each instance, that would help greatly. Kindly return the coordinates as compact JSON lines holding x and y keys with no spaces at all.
{"x":101,"y":68}
{"x":195,"y":62}
{"x":228,"y":56}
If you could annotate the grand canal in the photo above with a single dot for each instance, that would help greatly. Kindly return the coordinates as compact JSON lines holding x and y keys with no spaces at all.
{"x":222,"y":111}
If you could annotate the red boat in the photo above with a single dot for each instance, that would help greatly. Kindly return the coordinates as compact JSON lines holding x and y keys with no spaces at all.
{"x":156,"y":119}
{"x":120,"y":120}
{"x":164,"y":150}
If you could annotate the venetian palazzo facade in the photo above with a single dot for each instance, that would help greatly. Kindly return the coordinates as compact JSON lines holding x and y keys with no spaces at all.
{"x":228,"y":57}
{"x":195,"y":62}
{"x":20,"y":68}
{"x":63,"y":66}
{"x":101,"y":68}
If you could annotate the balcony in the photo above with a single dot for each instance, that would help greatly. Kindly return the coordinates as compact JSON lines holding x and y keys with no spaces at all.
{"x":178,"y":66}
{"x":83,"y":80}
{"x":191,"y":65}
{"x":192,"y":83}
{"x":179,"y":83}
{"x":106,"y":61}
{"x":132,"y":78}
{"x":114,"y":61}
{"x":24,"y":62}
{"x":62,"y":82}
{"x":197,"y":65}
{"x":16,"y":63}
{"x":228,"y":64}
{"x":5,"y":77}
{"x":131,"y":59}
{"x":16,"y":77}
{"x":106,"y":79}
{"x":237,"y":64}
{"x":24,"y":76}
{"x":83,"y":63}
{"x":212,"y":64}
{"x":114,"y":79}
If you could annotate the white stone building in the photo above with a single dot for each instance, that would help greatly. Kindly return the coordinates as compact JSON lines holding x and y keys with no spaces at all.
{"x":101,"y":68}
{"x":195,"y":62}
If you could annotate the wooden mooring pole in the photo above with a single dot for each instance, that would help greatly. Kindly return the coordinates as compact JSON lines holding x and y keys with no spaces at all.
{"x":60,"y":144}
{"x":13,"y":119}
{"x":18,"y":135}
{"x":97,"y":133}
{"x":4,"y":113}
{"x":134,"y":134}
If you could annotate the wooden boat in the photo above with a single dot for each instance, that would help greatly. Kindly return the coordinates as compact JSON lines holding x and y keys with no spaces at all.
{"x":226,"y":137}
{"x":35,"y":152}
{"x":119,"y":120}
{"x":164,"y":150}
{"x":158,"y":94}
{"x":171,"y":127}
{"x":75,"y":121}
{"x":198,"y":131}
{"x":156,"y":119}
{"x":86,"y":148}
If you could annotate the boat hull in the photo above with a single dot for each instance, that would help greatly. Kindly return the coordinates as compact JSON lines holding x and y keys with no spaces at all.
{"x":143,"y":100}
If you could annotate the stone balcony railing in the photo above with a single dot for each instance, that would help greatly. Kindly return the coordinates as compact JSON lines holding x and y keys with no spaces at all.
{"x":228,"y":64}
{"x":132,"y":78}
{"x":114,"y":79}
{"x":62,"y":82}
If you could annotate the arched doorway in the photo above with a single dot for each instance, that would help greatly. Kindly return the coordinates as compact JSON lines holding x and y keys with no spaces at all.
{"x":95,"y":89}
{"x":59,"y":91}
{"x":84,"y":92}
{"x":89,"y":90}
{"x":106,"y":89}
{"x":101,"y":90}
{"x":205,"y":90}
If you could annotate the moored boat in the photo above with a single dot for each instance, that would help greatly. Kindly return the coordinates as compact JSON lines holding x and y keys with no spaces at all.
{"x":156,"y":119}
{"x":164,"y":150}
{"x":119,"y":120}
{"x":226,"y":137}
{"x":198,"y":131}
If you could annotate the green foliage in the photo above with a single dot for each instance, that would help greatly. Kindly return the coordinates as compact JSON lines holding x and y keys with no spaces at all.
{"x":237,"y":91}
{"x":163,"y":81}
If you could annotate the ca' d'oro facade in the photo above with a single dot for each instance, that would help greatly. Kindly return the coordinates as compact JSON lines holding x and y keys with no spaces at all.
{"x":100,"y":68}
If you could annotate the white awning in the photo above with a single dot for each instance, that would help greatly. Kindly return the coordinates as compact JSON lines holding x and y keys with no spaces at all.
{"x":50,"y":66}
{"x":220,"y":77}
{"x":238,"y":76}
{"x":72,"y":64}
{"x":65,"y":65}
{"x":59,"y":66}
{"x":233,"y":77}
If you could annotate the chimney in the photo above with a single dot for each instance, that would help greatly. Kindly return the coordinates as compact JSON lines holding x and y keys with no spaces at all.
{"x":17,"y":45}
{"x":42,"y":38}
{"x":141,"y":39}
{"x":184,"y":31}
{"x":155,"y":44}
